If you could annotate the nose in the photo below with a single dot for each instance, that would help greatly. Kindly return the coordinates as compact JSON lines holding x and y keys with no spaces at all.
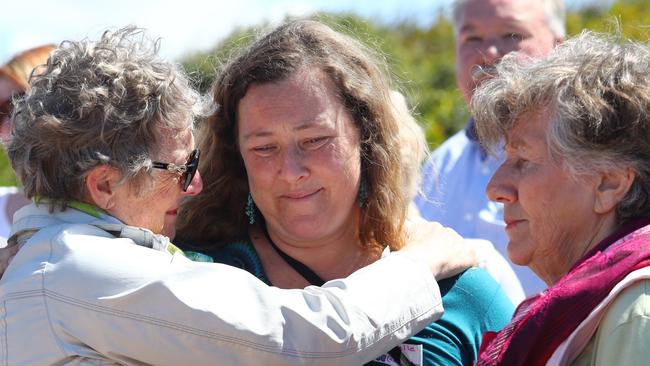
{"x":196,"y":186}
{"x":492,"y":53}
{"x":292,"y":167}
{"x":500,"y":189}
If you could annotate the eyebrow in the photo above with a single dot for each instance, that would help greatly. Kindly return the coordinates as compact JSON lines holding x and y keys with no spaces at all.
{"x":264,"y":133}
{"x":508,"y":23}
{"x":466,"y":28}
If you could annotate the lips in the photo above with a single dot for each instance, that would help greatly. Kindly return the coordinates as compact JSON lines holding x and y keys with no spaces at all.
{"x":172,"y":212}
{"x":511,"y":224}
{"x":301,"y":194}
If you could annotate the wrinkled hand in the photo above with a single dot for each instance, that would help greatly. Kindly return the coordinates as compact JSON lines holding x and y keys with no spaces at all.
{"x":6,"y":254}
{"x":441,"y":249}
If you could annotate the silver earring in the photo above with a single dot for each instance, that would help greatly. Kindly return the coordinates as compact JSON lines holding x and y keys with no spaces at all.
{"x":250,"y":209}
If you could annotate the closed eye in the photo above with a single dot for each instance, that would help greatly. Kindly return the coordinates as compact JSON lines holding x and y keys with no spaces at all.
{"x":472,"y":39}
{"x":316,"y":142}
{"x":264,"y":150}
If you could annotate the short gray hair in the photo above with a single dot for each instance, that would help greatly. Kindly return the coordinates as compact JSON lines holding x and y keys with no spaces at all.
{"x":105,"y":102}
{"x":596,"y":90}
{"x":554,"y":9}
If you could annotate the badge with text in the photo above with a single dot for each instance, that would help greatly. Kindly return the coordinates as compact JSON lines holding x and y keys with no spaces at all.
{"x":412,"y":351}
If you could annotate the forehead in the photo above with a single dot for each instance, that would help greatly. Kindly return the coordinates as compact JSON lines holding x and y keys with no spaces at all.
{"x":499,"y":13}
{"x":175,"y":145}
{"x":530,"y":129}
{"x":301,"y":98}
{"x":304,"y":85}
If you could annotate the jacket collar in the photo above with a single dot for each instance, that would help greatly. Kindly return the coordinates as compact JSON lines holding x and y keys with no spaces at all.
{"x":36,"y":216}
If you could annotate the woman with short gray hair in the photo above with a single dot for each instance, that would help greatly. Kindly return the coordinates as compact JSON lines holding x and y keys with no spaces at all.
{"x":576,"y":192}
{"x":103,"y":142}
{"x":134,"y":100}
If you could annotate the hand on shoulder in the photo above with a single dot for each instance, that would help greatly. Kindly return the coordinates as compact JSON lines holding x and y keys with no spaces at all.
{"x":440,"y":248}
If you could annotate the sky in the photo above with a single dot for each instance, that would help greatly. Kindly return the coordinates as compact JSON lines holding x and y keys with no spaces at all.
{"x":182,"y":28}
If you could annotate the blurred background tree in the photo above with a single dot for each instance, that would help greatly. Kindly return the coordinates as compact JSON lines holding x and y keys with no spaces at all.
{"x":420,"y":59}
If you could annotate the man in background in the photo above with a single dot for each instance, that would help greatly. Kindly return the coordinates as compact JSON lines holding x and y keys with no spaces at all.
{"x":455,"y":177}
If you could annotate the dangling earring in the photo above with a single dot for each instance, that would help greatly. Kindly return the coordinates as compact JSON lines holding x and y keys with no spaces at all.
{"x":250,"y":209}
{"x":363,"y":192}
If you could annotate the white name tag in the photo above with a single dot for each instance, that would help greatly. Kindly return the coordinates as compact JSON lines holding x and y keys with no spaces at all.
{"x":412,"y":351}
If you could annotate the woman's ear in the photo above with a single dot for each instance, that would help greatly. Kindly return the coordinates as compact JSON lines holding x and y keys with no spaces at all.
{"x":101,"y":183}
{"x":612,"y":187}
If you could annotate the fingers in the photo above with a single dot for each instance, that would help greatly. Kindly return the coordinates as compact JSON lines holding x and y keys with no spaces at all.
{"x":441,"y":249}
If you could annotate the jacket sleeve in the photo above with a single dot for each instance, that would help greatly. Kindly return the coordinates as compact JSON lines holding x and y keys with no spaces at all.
{"x":127,"y":303}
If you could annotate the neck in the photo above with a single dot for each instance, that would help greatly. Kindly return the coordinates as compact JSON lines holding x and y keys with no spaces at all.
{"x":336,"y":256}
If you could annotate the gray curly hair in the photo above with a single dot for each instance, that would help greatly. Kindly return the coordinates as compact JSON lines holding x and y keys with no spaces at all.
{"x":105,"y":102}
{"x":596,"y":90}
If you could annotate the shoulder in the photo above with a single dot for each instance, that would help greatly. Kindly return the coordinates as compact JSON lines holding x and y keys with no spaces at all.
{"x":450,"y":150}
{"x":61,"y":253}
{"x":474,"y":304}
{"x":454,"y":158}
{"x":446,"y":162}
{"x":631,"y":307}
{"x":456,"y":142}
{"x":5,"y":190}
{"x":476,"y":296}
{"x":621,"y":337}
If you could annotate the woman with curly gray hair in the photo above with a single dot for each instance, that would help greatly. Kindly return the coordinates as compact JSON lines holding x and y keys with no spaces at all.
{"x":576,"y":191}
{"x":103,"y":142}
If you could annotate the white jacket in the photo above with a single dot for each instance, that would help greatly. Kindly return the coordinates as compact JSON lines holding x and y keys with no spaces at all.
{"x":76,"y":294}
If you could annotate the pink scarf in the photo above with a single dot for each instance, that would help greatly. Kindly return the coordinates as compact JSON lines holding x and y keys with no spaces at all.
{"x":541,"y":323}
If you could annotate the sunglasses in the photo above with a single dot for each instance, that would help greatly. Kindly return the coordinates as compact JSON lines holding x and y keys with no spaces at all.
{"x":187,"y":170}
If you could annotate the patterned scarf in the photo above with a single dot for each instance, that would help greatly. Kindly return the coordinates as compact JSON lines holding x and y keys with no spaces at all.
{"x":543,"y":322}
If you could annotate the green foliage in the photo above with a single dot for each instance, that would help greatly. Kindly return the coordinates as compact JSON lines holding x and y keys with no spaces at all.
{"x":7,"y":177}
{"x":421,"y":59}
{"x":203,"y":67}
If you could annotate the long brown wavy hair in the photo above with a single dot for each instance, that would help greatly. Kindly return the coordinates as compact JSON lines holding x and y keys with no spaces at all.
{"x":217,"y":214}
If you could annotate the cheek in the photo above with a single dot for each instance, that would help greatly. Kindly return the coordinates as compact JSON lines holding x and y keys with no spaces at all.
{"x":260,"y":172}
{"x":552,"y":215}
{"x":465,"y":61}
{"x":534,"y":47}
{"x":165,"y":196}
{"x":353,"y":167}
{"x":344,"y":158}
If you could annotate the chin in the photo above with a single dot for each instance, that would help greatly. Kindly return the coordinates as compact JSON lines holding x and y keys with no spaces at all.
{"x":518,"y":254}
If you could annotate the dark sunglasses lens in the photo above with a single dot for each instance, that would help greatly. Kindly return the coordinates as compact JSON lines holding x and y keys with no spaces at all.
{"x":192,"y":165}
